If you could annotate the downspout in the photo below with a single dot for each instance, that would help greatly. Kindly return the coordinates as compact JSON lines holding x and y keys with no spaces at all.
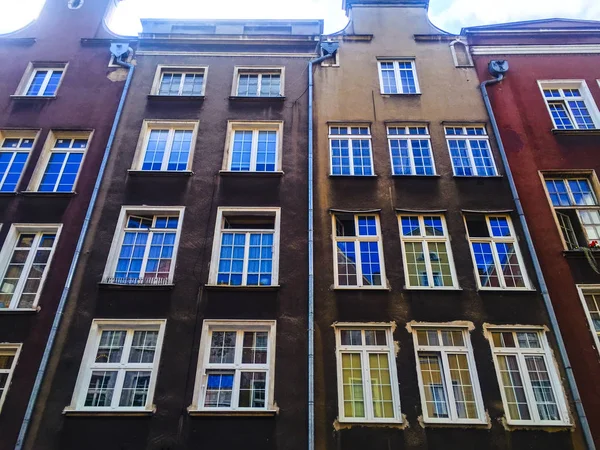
{"x":328,"y":49}
{"x":118,"y":51}
{"x":497,"y":69}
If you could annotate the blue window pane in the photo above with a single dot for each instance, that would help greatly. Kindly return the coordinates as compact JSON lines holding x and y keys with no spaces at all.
{"x":52,"y":85}
{"x":407,"y":78}
{"x":11,"y":168}
{"x":340,"y":157}
{"x":561,"y":118}
{"x":266,"y":151}
{"x":558,"y":192}
{"x":241,"y":153}
{"x":367,"y":226}
{"x":180,"y":150}
{"x":371,"y":270}
{"x":36,"y":83}
{"x":155,"y":150}
{"x":410,"y":226}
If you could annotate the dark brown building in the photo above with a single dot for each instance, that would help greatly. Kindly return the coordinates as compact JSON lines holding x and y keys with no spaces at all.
{"x":430,"y":328}
{"x":58,"y":97}
{"x":547,"y":112}
{"x":186,"y":325}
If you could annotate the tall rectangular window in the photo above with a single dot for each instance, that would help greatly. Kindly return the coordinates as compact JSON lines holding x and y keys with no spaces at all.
{"x":181,"y":82}
{"x":398,"y":77}
{"x":570,"y":105}
{"x":448,"y":381}
{"x":236,"y":366}
{"x":367,"y":377}
{"x":246,"y":247}
{"x":15,"y":148}
{"x":528,"y":377}
{"x":577,"y":209}
{"x":24,"y":263}
{"x":410,"y":150}
{"x":590,"y":296}
{"x":470,"y":151}
{"x":258,"y":82}
{"x":120,"y":366}
{"x":254,"y":147}
{"x":358,"y":252}
{"x":9,"y":353}
{"x":42,"y":81}
{"x":495,"y":252}
{"x":144,"y":248}
{"x":167,"y":149}
{"x":350,"y":150}
{"x":426,"y":252}
{"x":63,"y":161}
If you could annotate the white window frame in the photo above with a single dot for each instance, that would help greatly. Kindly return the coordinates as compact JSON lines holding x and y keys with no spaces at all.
{"x":350,"y":138}
{"x":492,"y":240}
{"x":222,"y":213}
{"x":357,"y":240}
{"x":156,"y":124}
{"x":258,"y":70}
{"x":240,"y":326}
{"x":32,"y":69}
{"x":586,"y":97}
{"x":469,"y":138}
{"x":6,"y":254}
{"x":49,"y":149}
{"x":9,"y":349}
{"x":551,"y":366}
{"x":22,"y":135}
{"x":115,"y":247}
{"x":410,"y":138}
{"x":397,"y":78}
{"x":364,"y":351}
{"x":255,"y":127}
{"x":88,"y":364}
{"x":183,"y":70}
{"x":425,"y":240}
{"x":587,"y":289}
{"x":444,"y":351}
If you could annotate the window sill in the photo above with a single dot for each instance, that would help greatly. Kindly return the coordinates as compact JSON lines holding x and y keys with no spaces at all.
{"x":592,"y":132}
{"x":177,"y":98}
{"x":352,"y":176}
{"x":361,"y":288}
{"x":47,"y":194}
{"x":432,"y":289}
{"x":235,"y":173}
{"x":113,"y":413}
{"x":240,"y":98}
{"x":579,"y":254}
{"x":457,"y":424}
{"x":32,"y":97}
{"x":370,"y":423}
{"x":8,"y":194}
{"x":19,"y":310}
{"x":402,"y":175}
{"x":539,"y":426}
{"x":160,"y":173}
{"x":226,"y":287}
{"x":479,"y":177}
{"x":231,"y":413}
{"x":400,"y":94}
{"x":521,"y":290}
{"x":136,"y":287}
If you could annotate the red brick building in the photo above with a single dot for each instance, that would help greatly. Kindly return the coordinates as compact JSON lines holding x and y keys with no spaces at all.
{"x":547,"y":112}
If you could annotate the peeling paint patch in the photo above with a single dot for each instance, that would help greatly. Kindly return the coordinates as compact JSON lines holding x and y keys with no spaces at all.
{"x":118,"y":75}
{"x":337,"y":425}
{"x":509,"y":427}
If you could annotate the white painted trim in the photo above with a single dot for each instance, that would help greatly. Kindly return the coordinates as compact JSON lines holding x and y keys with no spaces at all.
{"x":85,"y":371}
{"x":586,"y":96}
{"x":455,"y":56}
{"x":16,"y":349}
{"x":254,"y":126}
{"x":350,"y":137}
{"x":582,"y":289}
{"x":270,"y":326}
{"x":19,"y":134}
{"x":259,"y":70}
{"x":183,"y":69}
{"x":410,"y":138}
{"x":30,"y":71}
{"x":397,"y":77}
{"x":535,"y":49}
{"x":468,"y":138}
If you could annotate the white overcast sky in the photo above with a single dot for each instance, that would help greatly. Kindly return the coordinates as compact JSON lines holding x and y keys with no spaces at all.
{"x":450,"y":15}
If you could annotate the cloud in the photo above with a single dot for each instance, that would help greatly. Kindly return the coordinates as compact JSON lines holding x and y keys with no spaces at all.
{"x":455,"y":14}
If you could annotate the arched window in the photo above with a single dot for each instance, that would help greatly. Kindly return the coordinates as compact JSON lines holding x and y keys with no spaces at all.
{"x":460,"y":54}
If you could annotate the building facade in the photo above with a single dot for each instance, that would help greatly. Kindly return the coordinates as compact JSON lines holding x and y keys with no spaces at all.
{"x":58,"y":98}
{"x":186,"y":324}
{"x":430,"y":328}
{"x":547,"y":113}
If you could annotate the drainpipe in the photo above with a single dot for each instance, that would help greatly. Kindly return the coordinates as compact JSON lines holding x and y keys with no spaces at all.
{"x":328,"y":49}
{"x":118,"y":51}
{"x":498,"y":69}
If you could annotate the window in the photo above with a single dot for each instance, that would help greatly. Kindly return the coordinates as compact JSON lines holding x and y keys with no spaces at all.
{"x":253,"y":147}
{"x":144,"y":248}
{"x":41,"y":80}
{"x":426,"y":252}
{"x":120,"y":366}
{"x":447,"y":375}
{"x":570,"y":105}
{"x":165,"y":146}
{"x":358,"y":252}
{"x":61,"y":161}
{"x":236,"y":366}
{"x":9,"y":353}
{"x":398,"y":77}
{"x":258,"y":82}
{"x":15,"y":147}
{"x":350,"y":150}
{"x":495,"y":252}
{"x":24,"y":262}
{"x":246,"y":247}
{"x":366,"y":370}
{"x":576,"y":207}
{"x":180,"y":81}
{"x":410,"y":150}
{"x":470,"y":152}
{"x":590,"y":296}
{"x":529,"y":382}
